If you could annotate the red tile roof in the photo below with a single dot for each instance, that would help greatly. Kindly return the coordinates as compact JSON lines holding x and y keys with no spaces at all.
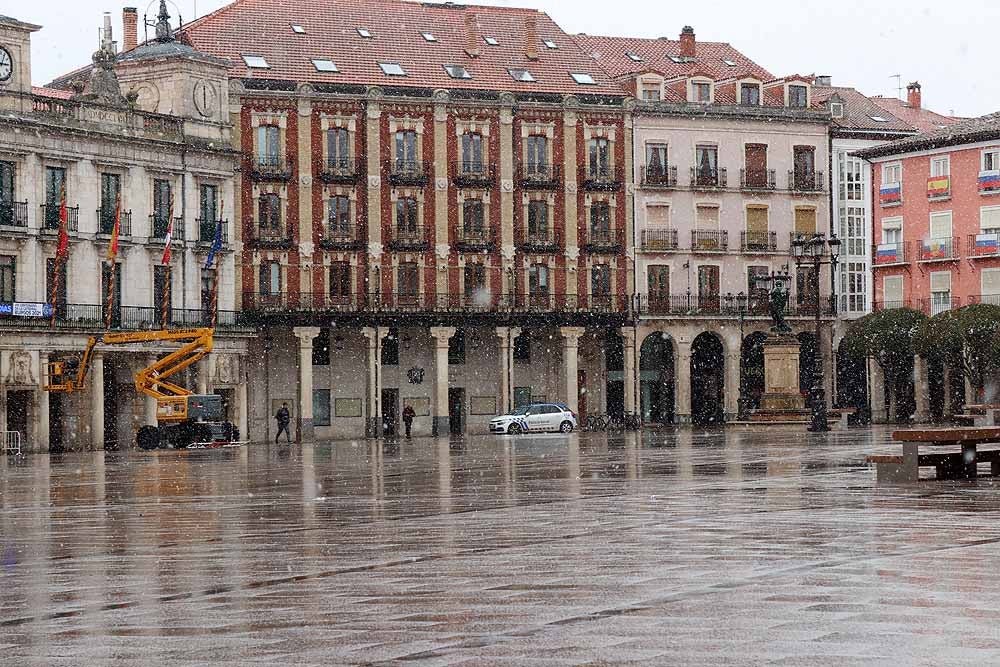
{"x":922,"y":119}
{"x":860,"y":111}
{"x":262,"y":28}
{"x":51,"y":92}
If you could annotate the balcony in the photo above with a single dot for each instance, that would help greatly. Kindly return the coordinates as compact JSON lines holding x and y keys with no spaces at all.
{"x":601,"y":178}
{"x":713,"y":305}
{"x":603,"y":239}
{"x":708,"y":179}
{"x":413,"y":173}
{"x":263,"y":235}
{"x":415,"y":237}
{"x":158,"y":229}
{"x":984,"y":244}
{"x":474,"y":238}
{"x":473,"y":174}
{"x":889,"y":254}
{"x":805,"y":180}
{"x":940,"y":249}
{"x":50,"y":218}
{"x":536,"y":176}
{"x":755,"y":180}
{"x":106,"y":222}
{"x":659,"y":240}
{"x":939,"y":303}
{"x":704,"y":240}
{"x":990,"y":299}
{"x":989,"y":182}
{"x":542,"y":239}
{"x":271,"y":168}
{"x":659,"y":176}
{"x":938,"y":188}
{"x":91,"y":316}
{"x":206,"y":231}
{"x":14,"y":214}
{"x":340,"y":171}
{"x":758,"y":242}
{"x":337,"y":236}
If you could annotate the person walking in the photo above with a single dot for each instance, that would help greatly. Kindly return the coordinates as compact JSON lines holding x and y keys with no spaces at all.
{"x":284,"y":418}
{"x":408,"y":414}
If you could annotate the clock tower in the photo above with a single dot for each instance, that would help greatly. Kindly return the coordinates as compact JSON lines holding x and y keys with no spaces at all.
{"x":15,"y":63}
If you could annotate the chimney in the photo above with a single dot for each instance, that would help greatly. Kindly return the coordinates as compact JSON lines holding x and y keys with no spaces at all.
{"x":688,"y":46}
{"x":130,"y":34}
{"x":471,"y":35}
{"x":107,"y":38}
{"x":913,"y":95}
{"x":531,"y":37}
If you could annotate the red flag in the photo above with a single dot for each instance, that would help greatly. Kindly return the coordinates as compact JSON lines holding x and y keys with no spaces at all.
{"x":170,"y":230}
{"x":113,"y":246}
{"x":63,"y":249}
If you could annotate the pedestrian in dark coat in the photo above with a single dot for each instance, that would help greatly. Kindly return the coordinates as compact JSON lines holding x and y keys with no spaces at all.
{"x":408,"y":414}
{"x":284,"y":418}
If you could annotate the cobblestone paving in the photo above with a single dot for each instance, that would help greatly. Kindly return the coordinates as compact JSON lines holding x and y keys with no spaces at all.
{"x":739,"y":548}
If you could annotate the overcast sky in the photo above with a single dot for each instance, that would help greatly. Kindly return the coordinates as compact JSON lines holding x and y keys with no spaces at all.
{"x":945,"y":44}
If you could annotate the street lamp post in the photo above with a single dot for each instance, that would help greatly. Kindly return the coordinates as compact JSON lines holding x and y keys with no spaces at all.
{"x":817,"y":251}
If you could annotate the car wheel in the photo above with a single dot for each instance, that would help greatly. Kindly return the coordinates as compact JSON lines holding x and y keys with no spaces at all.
{"x":514,"y":429}
{"x":566,"y":427}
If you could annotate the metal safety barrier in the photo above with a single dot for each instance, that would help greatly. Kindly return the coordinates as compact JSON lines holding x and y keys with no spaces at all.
{"x":12,"y":442}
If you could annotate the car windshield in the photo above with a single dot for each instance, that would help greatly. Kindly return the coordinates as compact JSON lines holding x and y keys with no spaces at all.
{"x":523,"y":410}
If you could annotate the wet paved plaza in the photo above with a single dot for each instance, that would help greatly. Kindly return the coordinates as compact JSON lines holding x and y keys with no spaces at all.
{"x":667,"y":548}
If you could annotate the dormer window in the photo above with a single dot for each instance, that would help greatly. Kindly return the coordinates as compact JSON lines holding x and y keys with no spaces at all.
{"x":701,"y":92}
{"x":837,"y":109}
{"x":650,"y":92}
{"x":750,"y":94}
{"x":798,"y":96}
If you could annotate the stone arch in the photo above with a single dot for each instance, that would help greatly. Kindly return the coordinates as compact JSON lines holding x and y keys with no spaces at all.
{"x":752,"y":368}
{"x":657,"y":378}
{"x":852,"y":382}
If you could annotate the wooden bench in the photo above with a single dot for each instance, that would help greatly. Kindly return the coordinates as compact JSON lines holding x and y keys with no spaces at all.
{"x":981,"y":414}
{"x":948,"y":465}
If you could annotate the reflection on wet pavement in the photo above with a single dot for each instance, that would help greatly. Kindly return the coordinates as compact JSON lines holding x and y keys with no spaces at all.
{"x":672,"y":548}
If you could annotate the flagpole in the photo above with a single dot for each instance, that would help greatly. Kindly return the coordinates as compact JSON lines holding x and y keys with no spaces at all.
{"x":218,"y":263}
{"x":166,"y":262}
{"x":112,"y":254}
{"x":61,"y":250}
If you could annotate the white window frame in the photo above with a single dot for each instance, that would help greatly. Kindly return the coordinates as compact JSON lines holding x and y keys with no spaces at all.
{"x":892,"y":225}
{"x":894,"y":280}
{"x":992,"y":298}
{"x":658,"y":225}
{"x":892,"y":167}
{"x":995,"y":159}
{"x":940,"y":166}
{"x":940,"y":215}
{"x":982,"y":222}
{"x":700,"y":80}
{"x":940,"y":299}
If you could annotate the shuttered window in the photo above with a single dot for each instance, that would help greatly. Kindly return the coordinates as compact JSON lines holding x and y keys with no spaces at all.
{"x":707,"y":217}
{"x":991,"y":283}
{"x":989,"y":217}
{"x":941,"y":225}
{"x":941,"y":281}
{"x":757,"y":219}
{"x":658,"y":214}
{"x":892,"y":289}
{"x":805,"y":221}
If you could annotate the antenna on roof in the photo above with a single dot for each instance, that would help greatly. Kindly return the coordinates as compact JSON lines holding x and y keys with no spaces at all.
{"x":899,"y":85}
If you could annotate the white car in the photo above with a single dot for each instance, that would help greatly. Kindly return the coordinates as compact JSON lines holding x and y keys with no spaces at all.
{"x":534,"y":418}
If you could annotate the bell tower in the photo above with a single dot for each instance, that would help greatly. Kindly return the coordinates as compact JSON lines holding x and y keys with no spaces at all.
{"x":15,"y":60}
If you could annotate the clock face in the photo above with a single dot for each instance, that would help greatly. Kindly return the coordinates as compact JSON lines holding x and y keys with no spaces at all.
{"x":205,"y":98}
{"x":6,"y":65}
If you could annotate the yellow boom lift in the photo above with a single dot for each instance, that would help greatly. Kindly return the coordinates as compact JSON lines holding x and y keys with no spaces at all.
{"x":183,"y":418}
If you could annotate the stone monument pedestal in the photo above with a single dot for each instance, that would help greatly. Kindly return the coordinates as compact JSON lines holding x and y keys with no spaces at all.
{"x":782,"y":401}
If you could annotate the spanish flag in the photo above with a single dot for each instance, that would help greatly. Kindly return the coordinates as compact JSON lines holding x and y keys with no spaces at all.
{"x":113,"y":246}
{"x":62,"y":250}
{"x":170,"y":233}
{"x":938,"y":186}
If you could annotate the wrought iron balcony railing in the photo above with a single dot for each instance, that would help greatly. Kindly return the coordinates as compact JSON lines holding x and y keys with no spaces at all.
{"x":106,"y":222}
{"x":659,"y":240}
{"x":267,"y":235}
{"x":340,"y":236}
{"x":206,"y":231}
{"x":758,"y":179}
{"x":934,"y":249}
{"x":340,"y":170}
{"x":50,"y":218}
{"x":702,"y":178}
{"x":758,"y":241}
{"x":158,"y":224}
{"x":708,"y":240}
{"x":597,"y":177}
{"x":539,"y":176}
{"x":473,"y":174}
{"x":474,"y":238}
{"x":602,"y":239}
{"x":415,"y":237}
{"x":540,"y":239}
{"x":271,"y":168}
{"x":659,"y":176}
{"x":413,"y":173}
{"x":805,"y":180}
{"x":14,"y":214}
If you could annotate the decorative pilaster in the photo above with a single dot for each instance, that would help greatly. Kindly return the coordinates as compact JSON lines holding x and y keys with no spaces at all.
{"x":441,"y":337}
{"x":97,"y":401}
{"x":921,"y":390}
{"x":373,"y":406}
{"x":628,"y":349}
{"x":571,"y":364}
{"x":682,"y":384}
{"x":305,"y":397}
{"x":731,"y":391}
{"x":242,"y":401}
{"x":42,"y":420}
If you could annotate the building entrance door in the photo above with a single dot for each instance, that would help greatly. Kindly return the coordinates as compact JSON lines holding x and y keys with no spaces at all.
{"x":456,"y":412}
{"x":390,"y":408}
{"x":18,"y":407}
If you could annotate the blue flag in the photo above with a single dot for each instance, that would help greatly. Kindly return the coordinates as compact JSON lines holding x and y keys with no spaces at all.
{"x":216,"y":245}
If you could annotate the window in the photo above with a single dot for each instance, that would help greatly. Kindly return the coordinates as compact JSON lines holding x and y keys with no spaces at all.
{"x":756,"y":223}
{"x":537,"y":148}
{"x":6,"y":186}
{"x":853,"y":231}
{"x":836,"y":109}
{"x":208,"y":204}
{"x":701,"y":91}
{"x":8,"y":273}
{"x":806,"y":285}
{"x":892,"y":291}
{"x":522,"y":75}
{"x":457,"y":72}
{"x":600,"y":280}
{"x":323,"y":65}
{"x":755,"y":164}
{"x":940,"y":166}
{"x":474,"y":280}
{"x":729,"y":63}
{"x":650,"y":92}
{"x":269,"y":213}
{"x":522,"y":352}
{"x":990,"y":283}
{"x":804,"y":161}
{"x":658,"y":215}
{"x":634,"y":57}
{"x":55,"y":181}
{"x":853,"y":287}
{"x":600,"y":221}
{"x":750,"y":94}
{"x":390,"y":348}
{"x":297,"y":29}
{"x":256,"y":62}
{"x":268,"y":145}
{"x":321,"y":348}
{"x":805,"y":221}
{"x":456,"y":348}
{"x":111,"y":187}
{"x":550,"y":44}
{"x":538,"y":280}
{"x":852,"y":181}
{"x":365,"y":33}
{"x":583,"y":78}
{"x":538,"y":220}
{"x":990,"y":160}
{"x":161,"y":207}
{"x":321,"y":405}
{"x":406,"y":150}
{"x":658,"y":282}
{"x":656,"y":159}
{"x":429,"y":37}
{"x":879,"y":119}
{"x":270,"y":278}
{"x":392,"y":69}
{"x":207,"y":287}
{"x":757,"y":287}
{"x":473,"y":215}
{"x":706,"y":164}
{"x":338,"y":147}
{"x":50,"y":274}
{"x":406,"y":215}
{"x":989,"y":218}
{"x":491,"y":41}
{"x":892,"y":174}
{"x":472,"y":153}
{"x":340,"y":280}
{"x":598,"y":155}
{"x":940,"y":292}
{"x":408,"y":280}
{"x":798,"y":97}
{"x":892,"y":231}
{"x":707,"y":217}
{"x":339,"y":215}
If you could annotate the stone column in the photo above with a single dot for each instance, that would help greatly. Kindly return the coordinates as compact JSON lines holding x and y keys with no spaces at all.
{"x":682,"y":384}
{"x":42,"y":417}
{"x":879,"y":415}
{"x":305,"y":411}
{"x":202,"y":367}
{"x":628,"y":348}
{"x":441,"y":337}
{"x":947,"y":391}
{"x":373,"y":404}
{"x":503,"y":333}
{"x":149,"y":403}
{"x":921,"y":390}
{"x":731,"y":392}
{"x":97,"y":401}
{"x":242,"y":401}
{"x":571,"y":344}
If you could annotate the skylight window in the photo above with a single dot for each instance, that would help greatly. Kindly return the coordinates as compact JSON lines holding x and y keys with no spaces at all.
{"x":256,"y":62}
{"x":676,"y":59}
{"x":634,"y":57}
{"x":730,"y":63}
{"x":322,"y":65}
{"x":428,"y":36}
{"x":583,"y":78}
{"x":492,"y":41}
{"x":550,"y":44}
{"x":879,"y":119}
{"x":521,"y":75}
{"x":364,"y":33}
{"x":457,"y":72}
{"x":297,"y":29}
{"x":392,"y":69}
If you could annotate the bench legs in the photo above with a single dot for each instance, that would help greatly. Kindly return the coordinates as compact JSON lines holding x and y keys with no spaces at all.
{"x":907,"y":471}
